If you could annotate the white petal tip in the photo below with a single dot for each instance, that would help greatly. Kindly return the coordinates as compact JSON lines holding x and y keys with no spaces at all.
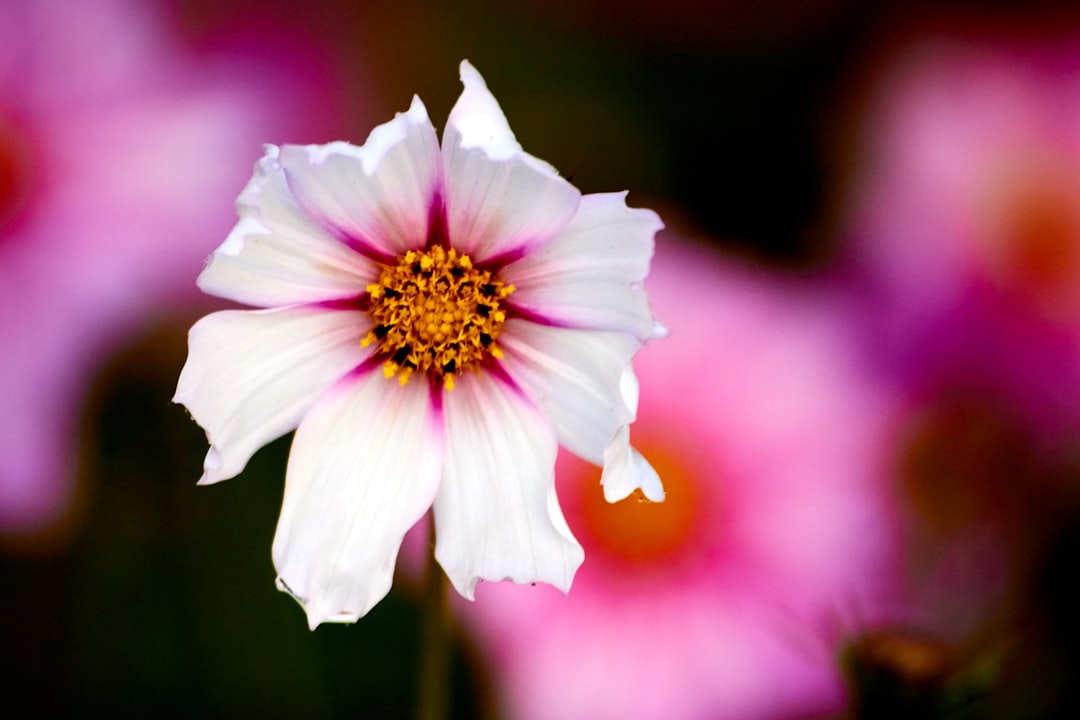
{"x":479,"y":121}
{"x":316,"y":616}
{"x":212,"y":468}
{"x":469,"y":74}
{"x":627,"y":470}
{"x":568,"y":581}
{"x":465,"y":588}
{"x":659,"y":330}
{"x":417,"y":111}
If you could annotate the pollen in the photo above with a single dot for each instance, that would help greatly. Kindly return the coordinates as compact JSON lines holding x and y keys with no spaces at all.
{"x":435,"y":313}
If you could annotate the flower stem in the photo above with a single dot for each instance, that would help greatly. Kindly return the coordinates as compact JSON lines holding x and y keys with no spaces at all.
{"x":434,"y":680}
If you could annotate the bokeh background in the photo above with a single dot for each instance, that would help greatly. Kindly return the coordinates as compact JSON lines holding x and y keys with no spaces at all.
{"x":867,"y":414}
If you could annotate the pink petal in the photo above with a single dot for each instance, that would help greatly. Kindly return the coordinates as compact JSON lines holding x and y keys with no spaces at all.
{"x":496,"y":515}
{"x":277,"y":255}
{"x":251,"y":375}
{"x":589,"y":275}
{"x":500,"y":201}
{"x":573,"y":377}
{"x":364,"y":468}
{"x":376,"y":198}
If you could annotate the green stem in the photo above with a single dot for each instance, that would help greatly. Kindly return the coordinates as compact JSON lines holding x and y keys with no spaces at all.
{"x":434,"y":680}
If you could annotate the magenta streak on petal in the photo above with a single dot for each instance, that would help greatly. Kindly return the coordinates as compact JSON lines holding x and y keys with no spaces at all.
{"x":357,"y":302}
{"x":360,"y":245}
{"x":514,"y":311}
{"x":494,"y":368}
{"x":435,"y":388}
{"x":367,"y":365}
{"x":494,"y":264}
{"x":438,"y":229}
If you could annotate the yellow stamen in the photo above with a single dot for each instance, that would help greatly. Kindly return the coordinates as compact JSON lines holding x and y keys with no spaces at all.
{"x":435,"y":313}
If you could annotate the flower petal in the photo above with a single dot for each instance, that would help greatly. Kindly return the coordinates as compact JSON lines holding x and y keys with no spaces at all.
{"x":627,"y":470}
{"x":589,"y":275}
{"x":378,"y":198}
{"x":277,"y":255}
{"x":252,"y":374}
{"x":496,"y":515}
{"x":364,"y":468}
{"x":573,"y":376}
{"x":500,"y":201}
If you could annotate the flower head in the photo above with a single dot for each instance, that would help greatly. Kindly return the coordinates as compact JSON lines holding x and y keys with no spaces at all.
{"x":709,"y":604}
{"x":437,"y":319}
{"x":107,"y":122}
{"x":964,"y":218}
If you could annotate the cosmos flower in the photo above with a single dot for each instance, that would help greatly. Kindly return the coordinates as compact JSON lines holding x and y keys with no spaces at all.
{"x":116,"y":143}
{"x":712,"y":603}
{"x":437,"y":320}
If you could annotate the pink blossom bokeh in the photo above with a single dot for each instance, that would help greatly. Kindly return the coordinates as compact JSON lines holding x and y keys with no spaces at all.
{"x":121,"y":149}
{"x":961,"y":249}
{"x":716,"y":602}
{"x":963,"y":221}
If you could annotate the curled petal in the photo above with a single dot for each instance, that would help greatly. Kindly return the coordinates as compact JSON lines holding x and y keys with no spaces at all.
{"x":500,"y":201}
{"x":376,"y":198}
{"x":252,"y":374}
{"x":277,"y":255}
{"x":496,"y":514}
{"x":627,"y":470}
{"x":589,"y":274}
{"x":573,"y":377}
{"x":364,"y":468}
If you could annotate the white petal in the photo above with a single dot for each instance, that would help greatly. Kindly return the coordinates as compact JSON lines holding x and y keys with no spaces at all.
{"x":574,"y":377}
{"x":277,"y":255}
{"x":496,"y":515}
{"x":252,"y":374}
{"x":364,"y":468}
{"x":589,"y":275}
{"x":500,"y":201}
{"x":378,"y":198}
{"x":626,"y":470}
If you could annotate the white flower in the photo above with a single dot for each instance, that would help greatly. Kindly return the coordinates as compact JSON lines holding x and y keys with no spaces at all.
{"x":437,"y":320}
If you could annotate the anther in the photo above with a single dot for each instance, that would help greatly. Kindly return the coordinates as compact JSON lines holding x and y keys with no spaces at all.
{"x":434,"y":313}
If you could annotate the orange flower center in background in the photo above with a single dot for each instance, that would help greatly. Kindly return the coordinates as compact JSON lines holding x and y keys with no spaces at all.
{"x":435,"y":313}
{"x":964,"y":462}
{"x":1033,"y":225}
{"x":14,"y":172}
{"x":1042,"y":233}
{"x":897,"y":657}
{"x":636,"y":533}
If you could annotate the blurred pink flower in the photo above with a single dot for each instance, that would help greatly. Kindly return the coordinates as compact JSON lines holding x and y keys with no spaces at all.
{"x":964,"y":217}
{"x":117,"y":146}
{"x":963,"y":231}
{"x":713,"y":603}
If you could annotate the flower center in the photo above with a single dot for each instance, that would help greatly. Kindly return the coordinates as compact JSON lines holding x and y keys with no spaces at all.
{"x":435,"y":313}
